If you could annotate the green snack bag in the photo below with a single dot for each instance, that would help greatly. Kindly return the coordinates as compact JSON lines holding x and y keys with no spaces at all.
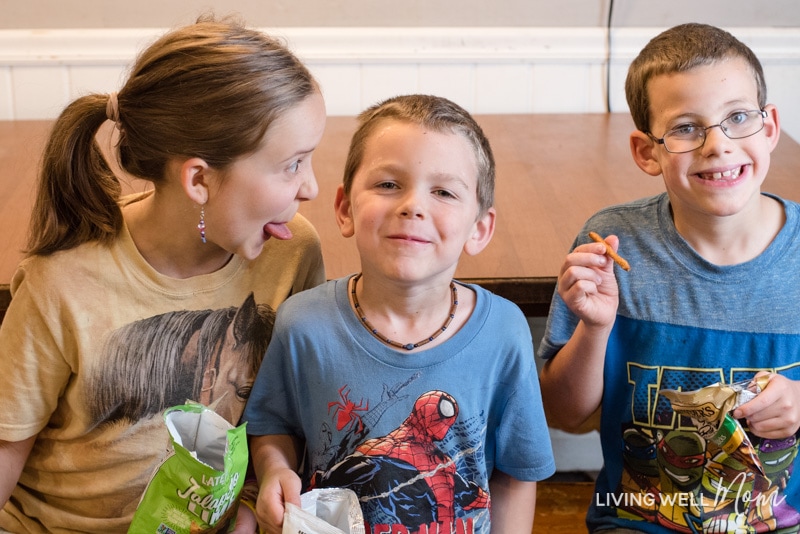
{"x":195,"y":487}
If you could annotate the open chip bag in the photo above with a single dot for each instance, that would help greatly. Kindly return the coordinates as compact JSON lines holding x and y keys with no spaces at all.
{"x":709,"y":409}
{"x":325,"y":511}
{"x":195,"y":487}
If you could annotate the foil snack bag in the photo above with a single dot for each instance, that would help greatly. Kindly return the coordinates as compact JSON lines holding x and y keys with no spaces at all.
{"x":709,"y":409}
{"x":324,"y":511}
{"x":195,"y":487}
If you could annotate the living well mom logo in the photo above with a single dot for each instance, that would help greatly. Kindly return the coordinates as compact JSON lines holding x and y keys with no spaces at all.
{"x":737,"y":495}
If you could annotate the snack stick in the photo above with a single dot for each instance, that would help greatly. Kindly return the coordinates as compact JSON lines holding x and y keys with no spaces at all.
{"x":619,"y":260}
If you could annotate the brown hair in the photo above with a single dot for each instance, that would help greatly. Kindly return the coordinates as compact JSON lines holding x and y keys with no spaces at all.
{"x":680,"y":49}
{"x":436,"y":113}
{"x":207,"y":90}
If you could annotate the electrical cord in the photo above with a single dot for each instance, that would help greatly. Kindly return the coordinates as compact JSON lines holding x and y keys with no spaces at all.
{"x":608,"y":54}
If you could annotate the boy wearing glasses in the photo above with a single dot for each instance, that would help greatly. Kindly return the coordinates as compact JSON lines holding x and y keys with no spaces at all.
{"x":711,"y":297}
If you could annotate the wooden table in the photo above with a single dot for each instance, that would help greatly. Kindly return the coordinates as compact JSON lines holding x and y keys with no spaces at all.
{"x":553,"y":172}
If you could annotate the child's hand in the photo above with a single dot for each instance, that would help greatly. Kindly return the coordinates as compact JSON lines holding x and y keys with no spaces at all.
{"x":775,"y":412}
{"x":279,"y":487}
{"x":587,"y":283}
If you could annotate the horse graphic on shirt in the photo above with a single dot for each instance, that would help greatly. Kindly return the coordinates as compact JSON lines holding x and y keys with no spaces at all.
{"x":208,"y":356}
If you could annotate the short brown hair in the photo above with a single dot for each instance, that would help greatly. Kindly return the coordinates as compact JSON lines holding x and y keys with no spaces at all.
{"x":438,"y":114}
{"x":680,"y":49}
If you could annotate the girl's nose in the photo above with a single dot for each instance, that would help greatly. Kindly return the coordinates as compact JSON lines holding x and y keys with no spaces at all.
{"x":309,"y":188}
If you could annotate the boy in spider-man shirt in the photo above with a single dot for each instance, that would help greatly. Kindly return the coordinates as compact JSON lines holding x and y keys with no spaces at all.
{"x":432,"y":435}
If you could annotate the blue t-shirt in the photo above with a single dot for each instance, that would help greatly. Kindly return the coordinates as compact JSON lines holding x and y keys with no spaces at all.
{"x":415,"y":435}
{"x":685,"y":323}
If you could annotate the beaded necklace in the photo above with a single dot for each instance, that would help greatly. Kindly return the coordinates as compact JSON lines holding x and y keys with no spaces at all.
{"x":406,"y":346}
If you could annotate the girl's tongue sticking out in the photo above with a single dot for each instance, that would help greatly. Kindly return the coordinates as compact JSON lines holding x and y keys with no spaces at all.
{"x":277,"y":230}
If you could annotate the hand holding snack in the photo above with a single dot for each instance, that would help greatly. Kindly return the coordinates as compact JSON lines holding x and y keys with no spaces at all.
{"x":280,"y":487}
{"x":775,"y":413}
{"x":588,"y":285}
{"x":710,"y":409}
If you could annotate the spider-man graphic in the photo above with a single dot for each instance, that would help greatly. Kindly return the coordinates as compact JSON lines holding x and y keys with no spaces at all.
{"x":404,"y":478}
{"x":346,"y":409}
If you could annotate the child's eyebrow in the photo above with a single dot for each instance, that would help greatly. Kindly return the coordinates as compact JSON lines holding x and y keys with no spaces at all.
{"x":386,"y":168}
{"x":451,"y":178}
{"x":730,"y":106}
{"x":400,"y":171}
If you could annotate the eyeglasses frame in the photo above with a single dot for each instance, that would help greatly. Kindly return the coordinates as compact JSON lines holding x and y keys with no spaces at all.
{"x":660,"y":141}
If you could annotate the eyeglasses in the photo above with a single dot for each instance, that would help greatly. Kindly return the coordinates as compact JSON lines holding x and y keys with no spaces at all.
{"x":688,"y":137}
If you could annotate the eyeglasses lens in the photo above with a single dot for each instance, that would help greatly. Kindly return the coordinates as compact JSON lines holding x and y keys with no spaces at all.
{"x":737,"y":126}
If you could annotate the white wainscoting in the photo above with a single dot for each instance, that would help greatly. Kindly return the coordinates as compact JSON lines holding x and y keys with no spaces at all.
{"x":486,"y":70}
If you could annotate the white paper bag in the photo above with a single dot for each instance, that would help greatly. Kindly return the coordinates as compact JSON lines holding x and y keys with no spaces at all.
{"x":325,"y":511}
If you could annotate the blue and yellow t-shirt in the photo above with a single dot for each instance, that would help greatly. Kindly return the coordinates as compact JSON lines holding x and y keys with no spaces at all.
{"x":684,"y":323}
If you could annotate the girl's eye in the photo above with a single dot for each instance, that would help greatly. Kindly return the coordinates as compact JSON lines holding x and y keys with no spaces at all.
{"x":387,"y":185}
{"x":294,"y":167}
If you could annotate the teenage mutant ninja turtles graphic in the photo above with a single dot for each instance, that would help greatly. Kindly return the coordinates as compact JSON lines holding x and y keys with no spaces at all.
{"x":673,"y":476}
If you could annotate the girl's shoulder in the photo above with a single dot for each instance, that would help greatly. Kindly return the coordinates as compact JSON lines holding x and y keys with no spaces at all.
{"x":64,"y":266}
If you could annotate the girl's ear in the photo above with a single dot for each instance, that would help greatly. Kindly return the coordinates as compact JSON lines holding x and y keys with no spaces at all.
{"x":643,"y":150}
{"x":482,"y":233}
{"x":344,"y":212}
{"x":196,"y":178}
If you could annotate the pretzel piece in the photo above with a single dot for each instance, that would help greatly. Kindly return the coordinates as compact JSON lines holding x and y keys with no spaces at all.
{"x":619,"y":260}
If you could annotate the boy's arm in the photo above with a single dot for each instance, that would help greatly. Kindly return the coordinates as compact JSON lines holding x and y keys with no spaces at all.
{"x":572,"y":380}
{"x":513,"y":504}
{"x":13,"y":455}
{"x":275,"y":460}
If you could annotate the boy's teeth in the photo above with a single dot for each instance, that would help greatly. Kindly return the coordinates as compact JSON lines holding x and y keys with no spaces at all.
{"x":726,"y":174}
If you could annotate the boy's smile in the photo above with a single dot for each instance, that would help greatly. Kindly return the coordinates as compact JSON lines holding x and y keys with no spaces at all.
{"x":723,"y":175}
{"x":413,"y":206}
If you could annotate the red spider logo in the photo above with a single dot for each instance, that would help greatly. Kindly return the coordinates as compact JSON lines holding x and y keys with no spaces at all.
{"x":346,"y":409}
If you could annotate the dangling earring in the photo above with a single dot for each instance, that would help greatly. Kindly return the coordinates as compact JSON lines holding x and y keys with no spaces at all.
{"x":202,"y":225}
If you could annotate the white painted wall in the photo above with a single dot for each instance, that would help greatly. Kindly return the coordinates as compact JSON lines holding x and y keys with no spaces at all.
{"x":486,"y":70}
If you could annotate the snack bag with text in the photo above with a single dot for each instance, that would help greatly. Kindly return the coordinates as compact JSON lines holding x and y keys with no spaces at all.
{"x":194,"y":489}
{"x":709,"y":409}
{"x":325,"y":511}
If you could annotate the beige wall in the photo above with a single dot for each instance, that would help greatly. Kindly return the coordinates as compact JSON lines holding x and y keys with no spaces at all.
{"x":34,"y":14}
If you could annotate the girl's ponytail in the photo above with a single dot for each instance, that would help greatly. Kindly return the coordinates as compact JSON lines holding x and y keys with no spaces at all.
{"x":77,"y":194}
